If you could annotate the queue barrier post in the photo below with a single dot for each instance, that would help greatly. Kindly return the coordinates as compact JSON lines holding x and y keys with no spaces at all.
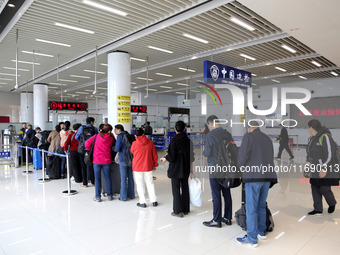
{"x":43,"y":179}
{"x":68,"y":192}
{"x":27,"y":171}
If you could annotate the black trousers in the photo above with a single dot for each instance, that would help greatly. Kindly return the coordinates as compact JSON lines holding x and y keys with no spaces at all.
{"x":87,"y":171}
{"x":284,"y":146}
{"x":318,"y":192}
{"x":216,"y":190}
{"x":180,"y":193}
{"x":76,"y":170}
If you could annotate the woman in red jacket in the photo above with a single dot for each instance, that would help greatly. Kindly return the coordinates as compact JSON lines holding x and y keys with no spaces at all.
{"x":145,"y":160}
{"x":71,"y":145}
{"x":102,"y":159}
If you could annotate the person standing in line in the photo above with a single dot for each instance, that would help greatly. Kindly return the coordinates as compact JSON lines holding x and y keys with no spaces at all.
{"x":64,"y":133}
{"x":284,"y":142}
{"x":180,"y":157}
{"x":148,"y":128}
{"x":145,"y":160}
{"x":30,"y":141}
{"x":127,"y":187}
{"x":321,"y":151}
{"x":102,"y":144}
{"x":255,"y":152}
{"x":211,"y":151}
{"x":54,"y":140}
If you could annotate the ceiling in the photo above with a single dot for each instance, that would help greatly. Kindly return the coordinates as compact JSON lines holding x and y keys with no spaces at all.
{"x":160,"y":24}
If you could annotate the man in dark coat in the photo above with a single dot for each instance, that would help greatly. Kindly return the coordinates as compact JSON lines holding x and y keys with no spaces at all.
{"x":181,"y":157}
{"x":284,"y":142}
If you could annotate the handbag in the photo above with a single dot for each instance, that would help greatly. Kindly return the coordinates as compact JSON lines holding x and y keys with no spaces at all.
{"x":88,"y":157}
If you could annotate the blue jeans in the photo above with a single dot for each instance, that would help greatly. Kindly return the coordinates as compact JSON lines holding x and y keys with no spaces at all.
{"x":127,"y":188}
{"x":97,"y":173}
{"x":256,"y":196}
{"x":63,"y":165}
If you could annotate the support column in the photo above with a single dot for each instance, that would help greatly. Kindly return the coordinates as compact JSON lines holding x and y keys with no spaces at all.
{"x":118,"y":89}
{"x":40,"y":92}
{"x":26,"y":107}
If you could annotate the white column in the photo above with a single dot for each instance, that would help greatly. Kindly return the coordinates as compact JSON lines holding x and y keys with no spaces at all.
{"x":26,"y":107}
{"x":40,"y":92}
{"x":118,"y":89}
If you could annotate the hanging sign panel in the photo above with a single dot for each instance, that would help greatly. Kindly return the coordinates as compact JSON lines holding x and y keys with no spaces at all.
{"x":71,"y":106}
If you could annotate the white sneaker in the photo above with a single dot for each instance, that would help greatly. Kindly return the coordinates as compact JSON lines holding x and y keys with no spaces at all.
{"x":261,"y":237}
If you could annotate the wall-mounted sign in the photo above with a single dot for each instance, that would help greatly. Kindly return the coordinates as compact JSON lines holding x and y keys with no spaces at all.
{"x":123,"y":98}
{"x":5,"y":154}
{"x":71,"y":106}
{"x":215,"y":73}
{"x":124,"y":120}
{"x":139,"y":108}
{"x":123,"y":109}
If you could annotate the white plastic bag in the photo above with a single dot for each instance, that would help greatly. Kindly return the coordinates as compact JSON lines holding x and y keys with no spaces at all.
{"x":195,"y":191}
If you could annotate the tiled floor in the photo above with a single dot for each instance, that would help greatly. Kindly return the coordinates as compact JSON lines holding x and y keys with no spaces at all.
{"x":37,"y":219}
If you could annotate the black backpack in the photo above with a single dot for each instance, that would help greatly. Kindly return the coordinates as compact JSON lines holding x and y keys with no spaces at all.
{"x":128,"y":140}
{"x":44,"y":144}
{"x":86,"y":133}
{"x":227,"y":156}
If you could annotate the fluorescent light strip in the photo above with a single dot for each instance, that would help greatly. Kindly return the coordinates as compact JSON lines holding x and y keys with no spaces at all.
{"x":248,"y":57}
{"x":286,"y":47}
{"x":180,"y":93}
{"x":165,"y":87}
{"x":4,"y":83}
{"x":83,"y":93}
{"x":58,"y":84}
{"x":196,"y":91}
{"x":26,"y":62}
{"x":55,"y":43}
{"x":160,"y":49}
{"x":185,"y":69}
{"x":303,"y":77}
{"x":101,"y":88}
{"x":134,"y":91}
{"x":151,"y":89}
{"x":92,"y":71}
{"x":8,"y":74}
{"x":74,"y":28}
{"x":138,"y":59}
{"x":182,"y":84}
{"x":13,"y":68}
{"x":133,"y":82}
{"x":37,"y":53}
{"x":88,"y":90}
{"x":276,"y":81}
{"x":142,"y":78}
{"x":195,"y":38}
{"x":50,"y":87}
{"x":67,"y":80}
{"x":242,"y":24}
{"x":281,"y":69}
{"x":104,"y":7}
{"x":5,"y":79}
{"x":79,"y":76}
{"x":253,"y":74}
{"x":254,"y":84}
{"x":316,"y":63}
{"x":194,"y":57}
{"x":164,"y":74}
{"x":73,"y":95}
{"x":103,"y":64}
{"x":334,"y":73}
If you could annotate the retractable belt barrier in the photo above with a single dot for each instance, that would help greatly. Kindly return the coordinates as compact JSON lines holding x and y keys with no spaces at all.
{"x":67,"y":192}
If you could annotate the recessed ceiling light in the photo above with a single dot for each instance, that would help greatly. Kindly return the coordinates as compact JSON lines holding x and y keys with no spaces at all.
{"x":248,"y":57}
{"x":303,"y":77}
{"x":83,"y":93}
{"x":67,"y":80}
{"x":316,"y":63}
{"x":286,"y":47}
{"x":334,"y":73}
{"x":151,"y":89}
{"x":6,"y":79}
{"x":182,"y":84}
{"x":160,"y":49}
{"x":37,"y":53}
{"x":11,"y":5}
{"x":8,"y":74}
{"x":180,"y":93}
{"x":185,"y":69}
{"x":80,"y":76}
{"x":195,"y":38}
{"x":92,"y":71}
{"x":164,"y":74}
{"x":58,"y":84}
{"x":13,"y":68}
{"x":165,"y":87}
{"x":104,"y":64}
{"x":276,"y":81}
{"x":55,"y":43}
{"x":142,"y":78}
{"x":138,"y":59}
{"x":281,"y":69}
{"x":253,"y":74}
{"x":242,"y":24}
{"x":74,"y":28}
{"x":26,"y":62}
{"x":104,"y":7}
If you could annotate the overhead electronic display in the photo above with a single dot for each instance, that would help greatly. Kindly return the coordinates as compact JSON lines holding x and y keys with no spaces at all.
{"x":139,"y":108}
{"x":174,"y":110}
{"x":70,"y":106}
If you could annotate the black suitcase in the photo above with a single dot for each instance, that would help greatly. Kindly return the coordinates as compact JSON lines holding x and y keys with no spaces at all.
{"x":53,"y":167}
{"x":115,"y":179}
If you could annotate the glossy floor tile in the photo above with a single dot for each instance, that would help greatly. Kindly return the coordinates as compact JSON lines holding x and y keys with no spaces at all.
{"x":37,"y":219}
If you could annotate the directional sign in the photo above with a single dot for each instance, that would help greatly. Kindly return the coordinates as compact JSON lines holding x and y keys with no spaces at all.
{"x":5,"y":154}
{"x":123,"y":97}
{"x":123,"y":114}
{"x":123,"y":103}
{"x":123,"y":109}
{"x":124,"y":120}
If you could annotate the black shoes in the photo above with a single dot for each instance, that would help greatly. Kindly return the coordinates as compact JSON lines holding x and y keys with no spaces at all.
{"x":314,"y":213}
{"x":331,"y":209}
{"x":212,"y":224}
{"x":291,"y":158}
{"x":226,"y":221}
{"x":141,"y":205}
{"x":154,"y":204}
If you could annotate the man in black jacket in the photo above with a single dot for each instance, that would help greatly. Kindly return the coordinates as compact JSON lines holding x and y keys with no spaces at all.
{"x":181,"y":158}
{"x":255,"y":158}
{"x":284,"y":142}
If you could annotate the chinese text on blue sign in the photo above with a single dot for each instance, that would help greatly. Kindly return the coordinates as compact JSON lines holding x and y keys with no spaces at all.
{"x":5,"y":154}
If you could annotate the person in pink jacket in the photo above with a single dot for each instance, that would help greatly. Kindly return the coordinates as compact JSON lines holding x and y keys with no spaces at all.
{"x":102,"y":159}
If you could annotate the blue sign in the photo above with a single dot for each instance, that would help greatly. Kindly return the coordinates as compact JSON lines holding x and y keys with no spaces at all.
{"x":215,"y":73}
{"x":5,"y":154}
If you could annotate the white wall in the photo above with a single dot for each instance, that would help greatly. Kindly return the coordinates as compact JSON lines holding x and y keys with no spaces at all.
{"x":10,"y":105}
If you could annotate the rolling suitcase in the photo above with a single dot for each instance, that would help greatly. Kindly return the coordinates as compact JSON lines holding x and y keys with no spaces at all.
{"x":37,"y":162}
{"x":115,"y":179}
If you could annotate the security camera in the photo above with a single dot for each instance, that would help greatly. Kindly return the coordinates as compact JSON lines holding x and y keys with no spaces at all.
{"x":312,"y":91}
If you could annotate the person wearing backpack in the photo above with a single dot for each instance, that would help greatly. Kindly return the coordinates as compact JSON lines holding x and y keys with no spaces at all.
{"x":84,"y":133}
{"x":211,"y":151}
{"x":321,"y":152}
{"x":127,"y":188}
{"x":102,"y":144}
{"x":30,"y":141}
